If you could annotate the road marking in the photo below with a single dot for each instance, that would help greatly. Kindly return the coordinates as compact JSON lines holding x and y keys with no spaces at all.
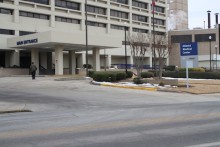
{"x":213,"y":144}
{"x":104,"y":125}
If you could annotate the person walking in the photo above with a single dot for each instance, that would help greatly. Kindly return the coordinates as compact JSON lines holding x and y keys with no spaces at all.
{"x":33,"y":70}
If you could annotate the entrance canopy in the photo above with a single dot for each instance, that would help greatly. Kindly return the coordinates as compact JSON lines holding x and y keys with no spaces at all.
{"x":68,"y":41}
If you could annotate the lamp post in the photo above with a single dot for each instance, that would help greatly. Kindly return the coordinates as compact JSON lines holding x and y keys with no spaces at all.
{"x":126,"y":69}
{"x":210,"y":39}
{"x":216,"y":61}
{"x":87,"y":73}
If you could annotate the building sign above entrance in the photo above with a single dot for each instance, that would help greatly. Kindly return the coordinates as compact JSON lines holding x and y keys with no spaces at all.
{"x":25,"y":42}
{"x":188,"y":49}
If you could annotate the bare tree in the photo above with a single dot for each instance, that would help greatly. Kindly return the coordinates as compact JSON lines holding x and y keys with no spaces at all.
{"x":139,"y":44}
{"x":162,"y":50}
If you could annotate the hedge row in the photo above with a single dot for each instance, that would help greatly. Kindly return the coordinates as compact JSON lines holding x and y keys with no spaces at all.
{"x":199,"y":69}
{"x":195,"y":75}
{"x":109,"y":76}
{"x":147,"y":74}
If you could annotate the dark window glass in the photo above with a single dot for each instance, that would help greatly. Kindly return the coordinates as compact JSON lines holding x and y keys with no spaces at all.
{"x":96,"y":24}
{"x":159,"y":9}
{"x":22,"y":33}
{"x":97,"y":10}
{"x":67,"y":4}
{"x":46,"y":2}
{"x":140,"y":30}
{"x":7,"y":32}
{"x":6,"y":11}
{"x":204,"y":37}
{"x":117,"y":27}
{"x":139,"y":18}
{"x":68,"y":20}
{"x":119,"y":14}
{"x":139,"y":4}
{"x":34,"y":15}
{"x":158,"y":21}
{"x":181,"y":38}
{"x":120,"y":1}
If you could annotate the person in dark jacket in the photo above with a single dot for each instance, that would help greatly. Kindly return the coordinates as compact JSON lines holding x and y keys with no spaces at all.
{"x":33,"y":70}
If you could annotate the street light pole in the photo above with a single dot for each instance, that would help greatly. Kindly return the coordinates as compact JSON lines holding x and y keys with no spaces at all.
{"x":126,"y":69}
{"x":216,"y":61}
{"x":210,"y":39}
{"x":87,"y":73}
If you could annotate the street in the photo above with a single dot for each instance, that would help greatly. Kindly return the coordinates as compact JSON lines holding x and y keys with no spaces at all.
{"x":74,"y":113}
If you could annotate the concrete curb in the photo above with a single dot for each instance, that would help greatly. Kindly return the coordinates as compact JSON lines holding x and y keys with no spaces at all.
{"x":124,"y":86}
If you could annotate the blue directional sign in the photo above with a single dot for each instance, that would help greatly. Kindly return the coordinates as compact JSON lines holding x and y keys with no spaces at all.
{"x":189,"y":49}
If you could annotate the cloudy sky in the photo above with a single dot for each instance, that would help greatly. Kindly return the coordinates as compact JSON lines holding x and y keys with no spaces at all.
{"x":198,"y":12}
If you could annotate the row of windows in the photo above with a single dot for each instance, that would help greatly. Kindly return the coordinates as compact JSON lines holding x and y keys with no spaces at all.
{"x":188,"y":38}
{"x":6,"y":11}
{"x":46,"y":2}
{"x":7,"y":32}
{"x":67,"y":4}
{"x":120,"y":1}
{"x":116,"y":27}
{"x":68,"y":20}
{"x":34,"y":15}
{"x":22,"y":33}
{"x":139,"y":4}
{"x":139,"y":30}
{"x":97,"y":24}
{"x":158,"y":21}
{"x":139,"y":18}
{"x":97,"y":10}
{"x":119,"y":14}
{"x":159,"y":9}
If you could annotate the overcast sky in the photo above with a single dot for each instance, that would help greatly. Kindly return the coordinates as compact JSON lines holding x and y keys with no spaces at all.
{"x":198,"y":12}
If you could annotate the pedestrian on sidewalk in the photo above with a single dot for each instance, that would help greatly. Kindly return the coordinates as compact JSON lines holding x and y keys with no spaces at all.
{"x":33,"y":70}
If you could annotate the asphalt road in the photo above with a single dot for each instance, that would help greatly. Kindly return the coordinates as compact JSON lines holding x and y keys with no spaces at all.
{"x":77,"y":114}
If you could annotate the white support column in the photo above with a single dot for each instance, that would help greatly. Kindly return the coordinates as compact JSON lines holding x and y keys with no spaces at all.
{"x":43,"y":59}
{"x":108,"y":61}
{"x":151,"y":58}
{"x":59,"y":61}
{"x":35,"y":58}
{"x":72,"y":62}
{"x":96,"y":59}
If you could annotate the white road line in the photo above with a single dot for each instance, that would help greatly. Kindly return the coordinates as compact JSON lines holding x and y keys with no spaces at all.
{"x":213,"y":144}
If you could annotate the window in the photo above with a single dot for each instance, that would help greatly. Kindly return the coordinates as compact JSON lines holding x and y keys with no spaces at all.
{"x":204,"y":37}
{"x":119,"y":14}
{"x":68,"y":20}
{"x":97,"y":24}
{"x":22,"y":33}
{"x":139,"y":4}
{"x":46,"y":2}
{"x":140,"y":30}
{"x":6,"y":11}
{"x":34,"y":15}
{"x":67,"y":4}
{"x":159,"y":9}
{"x":181,"y":38}
{"x":158,"y":21}
{"x":120,"y":1}
{"x":97,"y":10}
{"x":116,"y":27}
{"x":139,"y":18}
{"x":7,"y":32}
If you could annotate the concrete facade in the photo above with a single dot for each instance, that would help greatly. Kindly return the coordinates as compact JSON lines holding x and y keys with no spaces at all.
{"x":59,"y":23}
{"x":205,"y":46}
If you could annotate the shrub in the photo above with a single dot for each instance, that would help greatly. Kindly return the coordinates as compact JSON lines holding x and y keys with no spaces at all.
{"x":129,"y":74}
{"x":147,"y":74}
{"x":137,"y":81}
{"x":170,"y":68}
{"x":90,"y":73}
{"x":199,"y":69}
{"x":109,"y":76}
{"x":196,"y":75}
{"x":161,"y":84}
